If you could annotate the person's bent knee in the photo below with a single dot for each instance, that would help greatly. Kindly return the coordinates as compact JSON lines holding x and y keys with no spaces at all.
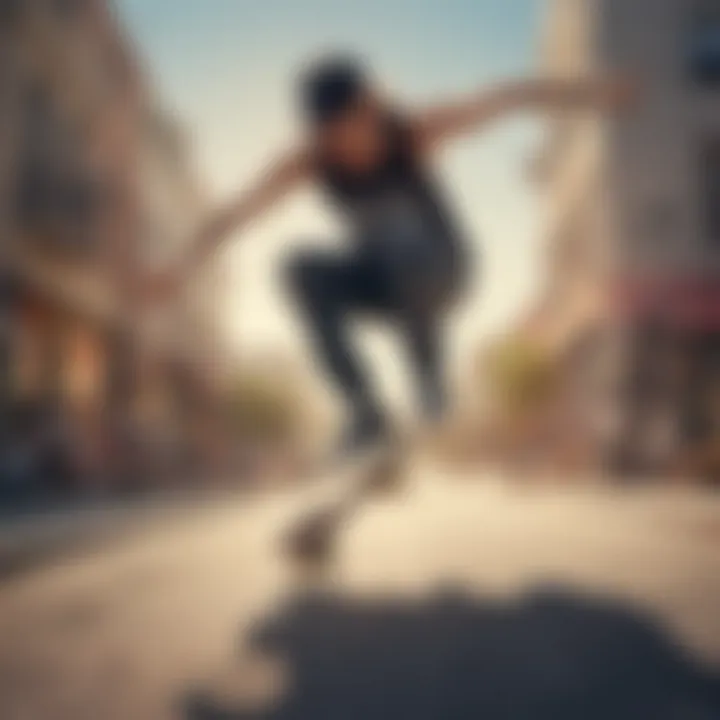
{"x":305,"y":278}
{"x":296,"y":275}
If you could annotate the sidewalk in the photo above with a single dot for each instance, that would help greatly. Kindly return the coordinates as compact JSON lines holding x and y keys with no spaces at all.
{"x":31,"y":538}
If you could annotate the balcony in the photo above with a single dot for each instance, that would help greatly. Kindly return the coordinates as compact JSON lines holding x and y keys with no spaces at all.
{"x":58,"y":197}
{"x":69,"y":10}
{"x":10,"y":11}
{"x":60,"y":208}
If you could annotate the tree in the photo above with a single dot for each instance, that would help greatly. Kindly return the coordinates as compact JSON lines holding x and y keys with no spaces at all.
{"x":266,"y":407}
{"x":520,"y":377}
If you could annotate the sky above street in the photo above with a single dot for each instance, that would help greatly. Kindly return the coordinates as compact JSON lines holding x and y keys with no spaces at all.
{"x":226,"y":68}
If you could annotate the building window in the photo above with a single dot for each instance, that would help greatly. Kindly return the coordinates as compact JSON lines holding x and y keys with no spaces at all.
{"x":710,"y":190}
{"x":704,"y":46}
{"x":9,"y":13}
{"x":69,"y":9}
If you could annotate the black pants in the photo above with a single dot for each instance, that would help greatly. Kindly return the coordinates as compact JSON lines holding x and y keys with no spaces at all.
{"x":408,"y":287}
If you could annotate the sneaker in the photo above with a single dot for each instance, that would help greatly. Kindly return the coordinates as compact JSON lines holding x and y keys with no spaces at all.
{"x":434,"y":404}
{"x":367,"y":429}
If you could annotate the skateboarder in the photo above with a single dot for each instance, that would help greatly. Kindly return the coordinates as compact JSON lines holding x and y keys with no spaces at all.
{"x":407,"y":261}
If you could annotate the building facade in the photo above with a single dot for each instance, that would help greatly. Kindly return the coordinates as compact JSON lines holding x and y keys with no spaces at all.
{"x":632,"y":302}
{"x":84,"y":156}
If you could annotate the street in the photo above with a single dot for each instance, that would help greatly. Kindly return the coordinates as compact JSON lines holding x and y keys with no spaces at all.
{"x":460,"y":597}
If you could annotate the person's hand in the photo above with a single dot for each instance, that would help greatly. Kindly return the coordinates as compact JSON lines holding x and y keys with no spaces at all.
{"x":162,"y":288}
{"x":620,"y":93}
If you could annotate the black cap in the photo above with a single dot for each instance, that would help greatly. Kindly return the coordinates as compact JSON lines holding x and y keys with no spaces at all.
{"x":330,"y":87}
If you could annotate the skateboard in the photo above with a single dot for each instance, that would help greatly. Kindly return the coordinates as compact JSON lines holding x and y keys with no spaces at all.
{"x":312,"y":540}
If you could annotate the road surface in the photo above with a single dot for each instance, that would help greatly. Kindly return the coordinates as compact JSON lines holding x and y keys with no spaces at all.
{"x":462,"y":598}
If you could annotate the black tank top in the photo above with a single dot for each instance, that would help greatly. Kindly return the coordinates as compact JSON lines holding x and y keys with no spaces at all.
{"x":397,"y":199}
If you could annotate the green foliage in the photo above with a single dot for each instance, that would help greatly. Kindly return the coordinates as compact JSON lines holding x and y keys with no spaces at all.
{"x":266,"y":406}
{"x":519,"y":375}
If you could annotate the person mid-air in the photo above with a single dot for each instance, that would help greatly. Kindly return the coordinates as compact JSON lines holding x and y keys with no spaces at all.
{"x":407,"y":261}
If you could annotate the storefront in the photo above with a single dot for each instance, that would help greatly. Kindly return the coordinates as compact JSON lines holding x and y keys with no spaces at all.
{"x":56,"y":377}
{"x":672,"y":390}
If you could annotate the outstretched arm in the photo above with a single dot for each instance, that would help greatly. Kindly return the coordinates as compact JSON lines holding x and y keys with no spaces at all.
{"x":277,"y":181}
{"x":450,"y":121}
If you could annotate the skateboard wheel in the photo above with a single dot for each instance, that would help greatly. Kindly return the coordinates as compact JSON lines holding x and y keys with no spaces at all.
{"x":386,"y":476}
{"x":313,"y":542}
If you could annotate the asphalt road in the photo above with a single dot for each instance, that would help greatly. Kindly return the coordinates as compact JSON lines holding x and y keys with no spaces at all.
{"x":457,"y":598}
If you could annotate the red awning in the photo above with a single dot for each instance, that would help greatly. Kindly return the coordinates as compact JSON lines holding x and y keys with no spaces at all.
{"x":687,"y":303}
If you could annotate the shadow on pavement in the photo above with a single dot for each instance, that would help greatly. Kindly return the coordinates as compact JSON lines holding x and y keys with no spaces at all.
{"x":553,"y":656}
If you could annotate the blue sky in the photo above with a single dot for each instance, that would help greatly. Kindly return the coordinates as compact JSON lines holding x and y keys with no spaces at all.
{"x":226,"y":67}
